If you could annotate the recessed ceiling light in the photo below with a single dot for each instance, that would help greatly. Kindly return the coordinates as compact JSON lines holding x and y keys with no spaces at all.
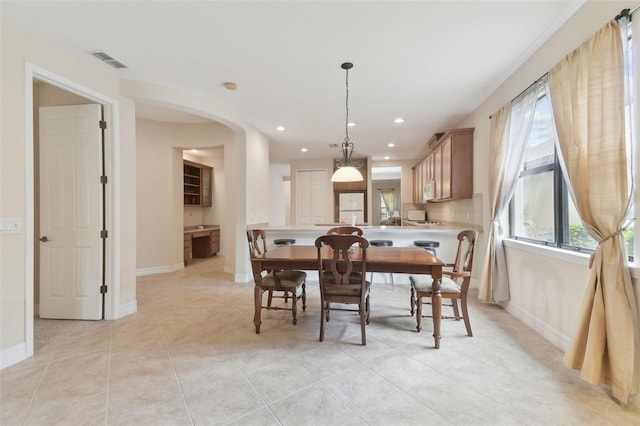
{"x":280,"y":128}
{"x":351,"y":124}
{"x":230,"y":85}
{"x":387,"y":157}
{"x":194,"y":150}
{"x":391,"y":145}
{"x":304,"y":150}
{"x":399,"y":120}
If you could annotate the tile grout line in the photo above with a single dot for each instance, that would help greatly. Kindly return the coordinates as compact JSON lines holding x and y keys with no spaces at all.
{"x":175,"y":373}
{"x":35,"y":392}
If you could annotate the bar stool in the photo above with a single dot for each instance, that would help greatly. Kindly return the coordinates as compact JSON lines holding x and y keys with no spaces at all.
{"x":284,"y":241}
{"x":382,"y":243}
{"x":427,"y":245}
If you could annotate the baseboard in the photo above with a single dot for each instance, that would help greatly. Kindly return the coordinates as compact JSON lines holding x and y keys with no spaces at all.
{"x":540,"y":327}
{"x":127,"y":309}
{"x":241,"y":278}
{"x":159,"y":269}
{"x":13,"y":355}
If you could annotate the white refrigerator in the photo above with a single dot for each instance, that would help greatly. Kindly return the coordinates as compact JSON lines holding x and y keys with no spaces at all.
{"x":351,"y":204}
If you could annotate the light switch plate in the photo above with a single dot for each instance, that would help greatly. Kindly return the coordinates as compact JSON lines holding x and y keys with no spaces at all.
{"x":10,"y":226}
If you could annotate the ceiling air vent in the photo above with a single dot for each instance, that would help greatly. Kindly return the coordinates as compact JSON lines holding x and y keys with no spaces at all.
{"x":333,"y":145}
{"x":108,"y":59}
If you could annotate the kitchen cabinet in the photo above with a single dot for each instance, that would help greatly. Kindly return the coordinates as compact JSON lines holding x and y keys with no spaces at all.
{"x":198,"y":181}
{"x":201,"y":243}
{"x":446,"y":172}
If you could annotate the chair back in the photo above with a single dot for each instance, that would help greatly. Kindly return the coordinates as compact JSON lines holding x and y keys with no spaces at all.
{"x":464,"y":255}
{"x":337,"y":269}
{"x":345,"y":230}
{"x":257,"y":242}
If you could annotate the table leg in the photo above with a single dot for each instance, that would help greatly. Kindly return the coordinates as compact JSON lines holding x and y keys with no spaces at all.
{"x":257,"y":297}
{"x":436,"y":306}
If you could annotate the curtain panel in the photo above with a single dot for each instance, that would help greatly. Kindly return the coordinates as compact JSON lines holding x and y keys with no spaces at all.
{"x":587,"y":92}
{"x":510,"y":130}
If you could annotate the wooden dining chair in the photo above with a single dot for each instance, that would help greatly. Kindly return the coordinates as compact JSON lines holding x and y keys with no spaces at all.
{"x":345,"y":230}
{"x":285,"y":284}
{"x":455,"y":283}
{"x":335,"y":284}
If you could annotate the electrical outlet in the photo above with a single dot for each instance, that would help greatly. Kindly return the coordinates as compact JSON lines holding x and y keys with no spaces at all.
{"x":10,"y":226}
{"x":543,"y":301}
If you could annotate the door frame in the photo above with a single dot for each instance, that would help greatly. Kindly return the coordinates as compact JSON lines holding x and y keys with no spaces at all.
{"x":111,"y":113}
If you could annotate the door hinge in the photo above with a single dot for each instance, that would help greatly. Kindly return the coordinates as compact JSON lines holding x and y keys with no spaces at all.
{"x":103,"y":124}
{"x":104,"y":233}
{"x":103,"y":180}
{"x":103,"y":289}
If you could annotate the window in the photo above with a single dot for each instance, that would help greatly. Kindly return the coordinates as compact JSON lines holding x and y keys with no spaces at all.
{"x":541,"y":210}
{"x":386,"y":204}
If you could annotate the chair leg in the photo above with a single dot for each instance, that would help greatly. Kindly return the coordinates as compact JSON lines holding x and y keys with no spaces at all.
{"x":269,"y":298}
{"x":413,"y":300}
{"x":367,"y":309}
{"x":304,"y":296}
{"x":363,"y":320}
{"x":456,"y":312}
{"x":327,"y":308}
{"x":322,"y":307}
{"x":294,"y":307}
{"x":419,"y":314}
{"x":393,"y":286}
{"x":371,"y":279}
{"x":465,"y":316}
{"x":257,"y":302}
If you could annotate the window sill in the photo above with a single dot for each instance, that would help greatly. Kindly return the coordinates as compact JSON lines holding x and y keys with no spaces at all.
{"x":560,"y":254}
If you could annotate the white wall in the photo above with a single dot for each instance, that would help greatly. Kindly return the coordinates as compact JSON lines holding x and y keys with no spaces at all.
{"x":20,"y":51}
{"x":546,"y":288}
{"x":279,"y":196}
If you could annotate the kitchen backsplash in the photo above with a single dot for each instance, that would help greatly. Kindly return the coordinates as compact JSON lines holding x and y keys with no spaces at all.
{"x":461,"y":211}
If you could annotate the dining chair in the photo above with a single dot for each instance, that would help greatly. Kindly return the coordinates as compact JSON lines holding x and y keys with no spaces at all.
{"x":454,"y":286}
{"x":336,"y":287}
{"x":345,"y":230}
{"x":286,"y":284}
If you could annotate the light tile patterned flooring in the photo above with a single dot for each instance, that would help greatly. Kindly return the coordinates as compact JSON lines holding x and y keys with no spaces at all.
{"x":190,"y":356}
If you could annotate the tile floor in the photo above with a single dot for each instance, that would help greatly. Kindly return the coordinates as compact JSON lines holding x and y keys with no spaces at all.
{"x":190,"y":356}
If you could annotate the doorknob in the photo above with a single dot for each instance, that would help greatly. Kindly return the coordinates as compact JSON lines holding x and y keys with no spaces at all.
{"x":44,"y":239}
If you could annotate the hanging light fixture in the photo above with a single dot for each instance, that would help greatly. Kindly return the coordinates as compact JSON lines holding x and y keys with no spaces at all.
{"x":346,"y":172}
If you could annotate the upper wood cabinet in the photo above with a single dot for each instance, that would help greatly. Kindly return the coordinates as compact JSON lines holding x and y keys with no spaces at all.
{"x":198,"y":181}
{"x":361,"y":163}
{"x":446,"y":172}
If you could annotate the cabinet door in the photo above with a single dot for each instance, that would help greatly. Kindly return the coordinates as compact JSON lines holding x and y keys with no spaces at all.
{"x":311,"y":197}
{"x":418,"y":184}
{"x":437,"y":173}
{"x":206,"y":184}
{"x":446,"y":169}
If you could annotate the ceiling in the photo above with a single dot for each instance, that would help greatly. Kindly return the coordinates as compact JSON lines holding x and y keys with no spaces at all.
{"x":429,"y":62}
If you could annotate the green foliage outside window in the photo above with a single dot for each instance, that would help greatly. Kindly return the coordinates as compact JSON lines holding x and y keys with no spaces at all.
{"x":579,"y":237}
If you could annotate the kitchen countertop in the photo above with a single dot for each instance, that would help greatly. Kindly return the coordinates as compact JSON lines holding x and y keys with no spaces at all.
{"x":200,"y":228}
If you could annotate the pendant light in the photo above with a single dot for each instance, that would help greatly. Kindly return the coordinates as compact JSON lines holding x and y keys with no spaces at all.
{"x":346,"y":172}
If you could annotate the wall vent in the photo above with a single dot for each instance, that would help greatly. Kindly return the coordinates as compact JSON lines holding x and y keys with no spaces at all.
{"x":108,"y":59}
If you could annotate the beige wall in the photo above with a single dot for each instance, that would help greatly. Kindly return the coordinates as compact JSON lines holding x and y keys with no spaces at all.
{"x":161,"y":209}
{"x":18,"y":50}
{"x":546,"y":288}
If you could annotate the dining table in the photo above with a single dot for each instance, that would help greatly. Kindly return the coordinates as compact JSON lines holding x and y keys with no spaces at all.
{"x":404,"y":260}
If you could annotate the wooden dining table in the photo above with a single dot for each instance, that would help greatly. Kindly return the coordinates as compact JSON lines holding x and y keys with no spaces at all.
{"x":404,"y":260}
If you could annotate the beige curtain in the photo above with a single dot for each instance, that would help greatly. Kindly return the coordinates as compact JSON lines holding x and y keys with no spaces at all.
{"x":499,"y":143}
{"x":387,"y":199}
{"x":588,"y":100}
{"x":510,"y":130}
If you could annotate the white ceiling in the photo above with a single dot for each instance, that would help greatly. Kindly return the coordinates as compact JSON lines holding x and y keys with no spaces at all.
{"x":429,"y":62}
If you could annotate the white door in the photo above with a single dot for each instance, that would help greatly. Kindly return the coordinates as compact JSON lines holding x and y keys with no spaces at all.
{"x":311,"y":197}
{"x":70,"y":212}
